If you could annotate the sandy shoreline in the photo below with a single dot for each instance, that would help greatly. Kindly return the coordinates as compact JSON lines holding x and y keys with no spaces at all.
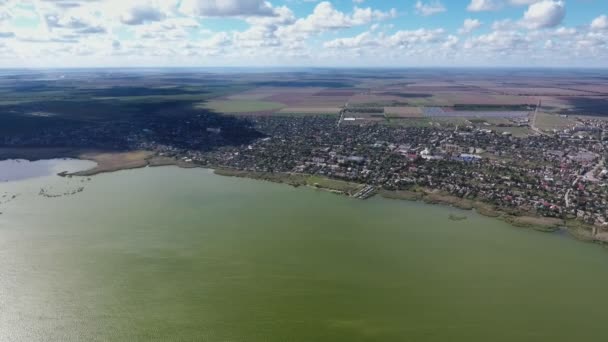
{"x":111,"y":161}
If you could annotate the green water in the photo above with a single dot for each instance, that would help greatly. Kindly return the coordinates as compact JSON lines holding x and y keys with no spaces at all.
{"x":167,"y":254}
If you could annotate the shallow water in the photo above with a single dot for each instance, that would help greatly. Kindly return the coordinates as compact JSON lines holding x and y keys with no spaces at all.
{"x":169,"y":254}
{"x":20,"y":169}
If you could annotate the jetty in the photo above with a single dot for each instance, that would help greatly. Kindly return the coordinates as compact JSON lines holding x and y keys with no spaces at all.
{"x":365,"y":193}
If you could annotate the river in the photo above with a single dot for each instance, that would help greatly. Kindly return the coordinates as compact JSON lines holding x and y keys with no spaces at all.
{"x":169,"y":254}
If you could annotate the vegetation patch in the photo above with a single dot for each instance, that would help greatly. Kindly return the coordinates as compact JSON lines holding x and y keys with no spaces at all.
{"x":535,"y":222}
{"x":546,"y":121}
{"x":296,"y":179}
{"x":110,"y":162}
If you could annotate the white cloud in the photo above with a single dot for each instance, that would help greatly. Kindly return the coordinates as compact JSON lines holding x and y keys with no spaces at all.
{"x":544,"y":14}
{"x":361,"y":40}
{"x":408,"y":37}
{"x":366,"y":15}
{"x":564,"y":32}
{"x":484,"y":5}
{"x":400,"y":39}
{"x":227,"y":8}
{"x":140,"y":14}
{"x":523,"y":2}
{"x":326,"y":17}
{"x":600,"y":23}
{"x":503,"y":25}
{"x":495,"y":5}
{"x":431,"y":8}
{"x":166,"y":32}
{"x":503,"y":41}
{"x":5,"y":14}
{"x":451,"y":42}
{"x":469,"y":26}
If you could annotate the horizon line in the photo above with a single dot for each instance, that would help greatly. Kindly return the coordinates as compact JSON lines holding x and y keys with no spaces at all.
{"x":310,"y":67}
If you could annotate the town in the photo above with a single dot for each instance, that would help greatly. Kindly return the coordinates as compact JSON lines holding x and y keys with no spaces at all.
{"x":560,"y":174}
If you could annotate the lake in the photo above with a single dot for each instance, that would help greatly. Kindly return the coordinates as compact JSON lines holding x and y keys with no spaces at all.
{"x":169,"y":254}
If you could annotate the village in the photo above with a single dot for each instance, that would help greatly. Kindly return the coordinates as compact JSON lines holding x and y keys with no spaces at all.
{"x":562,"y":174}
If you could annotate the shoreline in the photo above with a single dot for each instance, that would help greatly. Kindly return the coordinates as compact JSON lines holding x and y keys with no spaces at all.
{"x":112,"y":161}
{"x":576,"y":229}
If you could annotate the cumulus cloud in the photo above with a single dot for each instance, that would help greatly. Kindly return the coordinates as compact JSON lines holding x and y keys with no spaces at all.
{"x":501,"y":41}
{"x":326,"y":17}
{"x":75,"y":24}
{"x":469,"y":26}
{"x":544,"y":14}
{"x":484,"y":5}
{"x":494,"y":5}
{"x":600,"y":23}
{"x":362,"y":40}
{"x":523,"y":2}
{"x":167,"y":30}
{"x":140,"y":14}
{"x":408,"y":37}
{"x":227,"y":8}
{"x":431,"y":8}
{"x":400,"y":39}
{"x":4,"y":14}
{"x":172,"y":31}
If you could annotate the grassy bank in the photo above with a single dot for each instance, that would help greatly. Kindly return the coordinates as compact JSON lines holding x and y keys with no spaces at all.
{"x":296,"y":179}
{"x":545,"y":224}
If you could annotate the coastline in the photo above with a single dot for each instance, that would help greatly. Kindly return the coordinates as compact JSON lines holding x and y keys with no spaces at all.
{"x":111,"y":161}
{"x":575,"y":228}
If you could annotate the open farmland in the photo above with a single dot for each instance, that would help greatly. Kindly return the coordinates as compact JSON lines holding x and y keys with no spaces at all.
{"x":519,"y":132}
{"x":242,"y":106}
{"x":310,"y":110}
{"x":286,"y":95}
{"x":472,"y":98}
{"x":547,"y":122}
{"x":403,"y":112}
{"x":86,"y":97}
{"x":448,"y":112}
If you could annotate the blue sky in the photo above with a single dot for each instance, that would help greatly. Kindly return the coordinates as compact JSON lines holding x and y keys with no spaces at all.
{"x":408,"y":33}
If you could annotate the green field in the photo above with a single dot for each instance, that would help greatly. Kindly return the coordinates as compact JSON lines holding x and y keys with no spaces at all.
{"x":242,"y":106}
{"x":410,"y":122}
{"x":549,"y":122}
{"x":519,"y":132}
{"x":334,"y":184}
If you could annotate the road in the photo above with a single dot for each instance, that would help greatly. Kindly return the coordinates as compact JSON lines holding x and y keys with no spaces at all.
{"x":533,"y":123}
{"x":590,"y":176}
{"x":342,"y":112}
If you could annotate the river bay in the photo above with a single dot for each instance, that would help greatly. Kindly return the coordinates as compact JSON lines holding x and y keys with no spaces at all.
{"x":169,"y":254}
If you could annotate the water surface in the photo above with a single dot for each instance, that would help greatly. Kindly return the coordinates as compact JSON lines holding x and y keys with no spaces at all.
{"x":167,"y":254}
{"x":20,"y":169}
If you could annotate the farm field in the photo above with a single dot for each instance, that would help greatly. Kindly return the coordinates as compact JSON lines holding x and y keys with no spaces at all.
{"x":242,"y":106}
{"x":310,"y":110}
{"x":403,"y":112}
{"x":549,"y":122}
{"x":31,"y":100}
{"x":519,"y":132}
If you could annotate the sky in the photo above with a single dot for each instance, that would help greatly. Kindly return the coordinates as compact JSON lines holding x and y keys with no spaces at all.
{"x":303,"y":33}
